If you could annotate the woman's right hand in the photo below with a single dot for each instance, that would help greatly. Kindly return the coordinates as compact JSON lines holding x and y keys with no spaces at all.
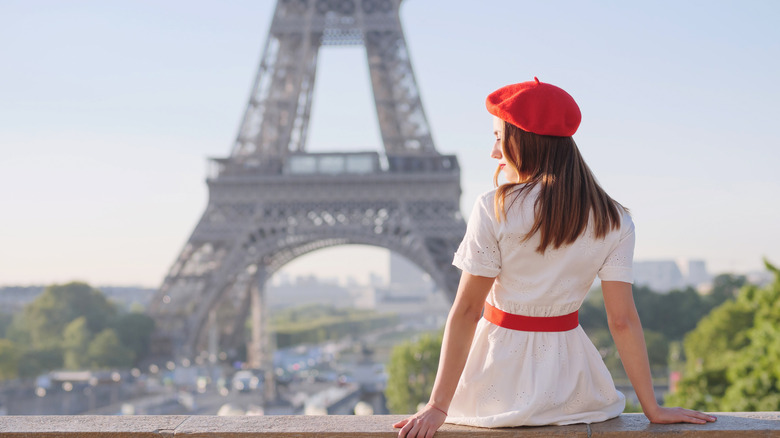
{"x":663,"y":415}
{"x":423,"y":424}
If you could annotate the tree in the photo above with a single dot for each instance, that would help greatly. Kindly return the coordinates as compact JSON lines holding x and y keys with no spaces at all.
{"x":411,"y":373}
{"x":725,"y":287}
{"x":9,"y":360}
{"x":105,"y":351}
{"x":657,"y":351}
{"x":673,"y":314}
{"x":17,"y":331}
{"x":733,"y":353}
{"x":135,"y":332}
{"x":59,"y":329}
{"x":75,"y":343}
{"x":5,"y":321}
{"x":44,"y":319}
{"x":34,"y":361}
{"x":592,"y":314}
{"x":755,"y":375}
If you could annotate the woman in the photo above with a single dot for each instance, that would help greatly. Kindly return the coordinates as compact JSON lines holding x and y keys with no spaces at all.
{"x":533,"y":247}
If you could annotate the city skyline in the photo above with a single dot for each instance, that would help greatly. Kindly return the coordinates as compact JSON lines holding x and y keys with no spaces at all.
{"x":108,"y":113}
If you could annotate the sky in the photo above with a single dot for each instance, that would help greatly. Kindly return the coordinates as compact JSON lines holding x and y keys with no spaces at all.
{"x":109,"y":111}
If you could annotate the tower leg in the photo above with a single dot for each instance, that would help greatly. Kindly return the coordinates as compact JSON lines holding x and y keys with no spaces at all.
{"x":213,"y":340}
{"x":254,"y":351}
{"x":259,"y":350}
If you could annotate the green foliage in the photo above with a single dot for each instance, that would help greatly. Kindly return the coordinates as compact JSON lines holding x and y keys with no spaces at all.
{"x":592,"y":314}
{"x":44,"y":319}
{"x":411,"y":373}
{"x":673,"y":314}
{"x":725,"y":287}
{"x":135,"y":332}
{"x":732,"y":355}
{"x":5,"y":322}
{"x":718,"y":336}
{"x":17,"y":331}
{"x":602,"y":339}
{"x":75,"y":343}
{"x":137,"y":307}
{"x":105,"y":351}
{"x":316,"y":323}
{"x":9,"y":359}
{"x":657,"y":352}
{"x":666,"y":318}
{"x":632,"y":408}
{"x":72,"y":326}
{"x":593,"y":318}
{"x":34,"y":361}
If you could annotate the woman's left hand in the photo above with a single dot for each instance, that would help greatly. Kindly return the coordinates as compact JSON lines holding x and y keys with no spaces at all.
{"x":422,"y":424}
{"x":678,"y":415}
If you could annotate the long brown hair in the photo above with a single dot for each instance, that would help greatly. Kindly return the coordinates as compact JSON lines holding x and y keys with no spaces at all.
{"x":568,"y":190}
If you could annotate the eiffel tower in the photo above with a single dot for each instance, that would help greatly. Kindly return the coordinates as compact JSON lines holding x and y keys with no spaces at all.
{"x":270,"y":201}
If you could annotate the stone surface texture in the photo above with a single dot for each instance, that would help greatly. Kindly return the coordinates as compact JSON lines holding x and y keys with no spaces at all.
{"x":729,"y":424}
{"x":73,"y":426}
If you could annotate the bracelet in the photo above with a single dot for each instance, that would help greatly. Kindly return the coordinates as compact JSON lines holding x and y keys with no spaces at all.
{"x":438,"y":409}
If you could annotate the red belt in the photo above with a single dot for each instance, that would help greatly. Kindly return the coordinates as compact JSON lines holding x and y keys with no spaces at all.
{"x":561,"y":323}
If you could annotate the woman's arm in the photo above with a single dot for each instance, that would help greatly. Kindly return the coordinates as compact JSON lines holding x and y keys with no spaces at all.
{"x":629,"y":338}
{"x":458,"y":334}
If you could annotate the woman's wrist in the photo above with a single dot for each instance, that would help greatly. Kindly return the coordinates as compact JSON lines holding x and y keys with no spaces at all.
{"x":650,"y":409}
{"x":433,"y":406}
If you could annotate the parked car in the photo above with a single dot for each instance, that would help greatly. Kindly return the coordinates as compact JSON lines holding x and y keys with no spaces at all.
{"x":245,"y":381}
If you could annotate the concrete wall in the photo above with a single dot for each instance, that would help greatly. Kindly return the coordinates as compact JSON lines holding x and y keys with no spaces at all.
{"x":729,"y":424}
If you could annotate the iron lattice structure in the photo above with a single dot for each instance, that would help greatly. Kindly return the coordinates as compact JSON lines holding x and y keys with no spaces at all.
{"x":270,"y":201}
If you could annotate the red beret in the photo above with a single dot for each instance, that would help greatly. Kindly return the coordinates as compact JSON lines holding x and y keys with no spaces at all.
{"x":536,"y":107}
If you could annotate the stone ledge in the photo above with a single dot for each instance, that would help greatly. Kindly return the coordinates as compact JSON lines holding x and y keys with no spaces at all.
{"x":729,"y":424}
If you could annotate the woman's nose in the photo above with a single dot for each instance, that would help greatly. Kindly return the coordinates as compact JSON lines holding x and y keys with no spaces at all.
{"x":496,"y":153}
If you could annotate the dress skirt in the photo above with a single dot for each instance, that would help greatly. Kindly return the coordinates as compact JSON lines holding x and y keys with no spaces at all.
{"x":517,"y":378}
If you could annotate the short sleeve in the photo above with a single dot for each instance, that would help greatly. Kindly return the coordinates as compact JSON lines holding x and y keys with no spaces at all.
{"x":478,"y":253}
{"x":618,"y":265}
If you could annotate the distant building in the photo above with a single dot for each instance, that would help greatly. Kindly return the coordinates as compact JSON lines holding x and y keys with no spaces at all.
{"x":695,"y":272}
{"x":376,"y":280}
{"x":408,"y":286}
{"x":363,"y":297}
{"x":308,"y":290}
{"x":412,"y":295}
{"x":664,"y":276}
{"x":660,"y":276}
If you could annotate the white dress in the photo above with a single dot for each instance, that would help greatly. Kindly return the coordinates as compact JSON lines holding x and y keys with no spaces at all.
{"x":517,"y":378}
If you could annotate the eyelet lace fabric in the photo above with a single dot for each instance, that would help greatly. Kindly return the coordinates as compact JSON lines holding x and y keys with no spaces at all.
{"x":515,"y":378}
